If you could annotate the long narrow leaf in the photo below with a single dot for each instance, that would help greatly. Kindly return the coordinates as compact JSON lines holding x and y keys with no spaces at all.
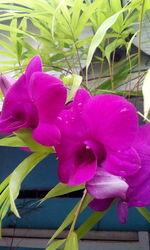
{"x":56,"y":244}
{"x":144,"y":212}
{"x":18,"y":175}
{"x":70,"y":217}
{"x":13,"y":141}
{"x":61,"y":189}
{"x":99,"y":35}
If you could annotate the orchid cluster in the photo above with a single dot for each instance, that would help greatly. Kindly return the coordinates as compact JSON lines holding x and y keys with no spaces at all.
{"x":97,"y":139}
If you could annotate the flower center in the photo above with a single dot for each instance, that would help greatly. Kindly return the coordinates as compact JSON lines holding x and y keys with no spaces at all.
{"x":89,"y":152}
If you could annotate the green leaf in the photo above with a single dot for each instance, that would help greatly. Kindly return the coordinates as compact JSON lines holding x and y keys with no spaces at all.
{"x":4,"y":195}
{"x":61,"y":189}
{"x":13,"y":141}
{"x":56,"y":244}
{"x":112,"y":46}
{"x":54,"y":16}
{"x":146,"y":91}
{"x":116,"y":5}
{"x":118,"y":77}
{"x":18,"y":175}
{"x":77,"y":80}
{"x":89,"y":223}
{"x":70,"y":217}
{"x":99,"y":35}
{"x":76,"y":11}
{"x":4,"y":183}
{"x":72,"y":242}
{"x":144,"y":212}
{"x":26,"y":136}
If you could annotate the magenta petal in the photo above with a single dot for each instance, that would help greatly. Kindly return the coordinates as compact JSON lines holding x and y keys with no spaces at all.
{"x":18,"y":111}
{"x":35,"y":65}
{"x":124,"y":163}
{"x":100,"y":205}
{"x":81,"y":97}
{"x":79,"y":167}
{"x":46,"y":134}
{"x":113,"y":118}
{"x":48,"y":94}
{"x":5,"y":83}
{"x":139,"y":184}
{"x":122,"y":210}
{"x":105,"y":185}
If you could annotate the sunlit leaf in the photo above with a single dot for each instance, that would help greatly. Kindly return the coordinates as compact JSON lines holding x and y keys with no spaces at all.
{"x":146,"y":93}
{"x":99,"y":35}
{"x":77,"y":79}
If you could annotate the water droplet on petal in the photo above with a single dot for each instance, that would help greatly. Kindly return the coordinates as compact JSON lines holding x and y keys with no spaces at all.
{"x":60,"y":118}
{"x":123,"y":110}
{"x":80,"y":104}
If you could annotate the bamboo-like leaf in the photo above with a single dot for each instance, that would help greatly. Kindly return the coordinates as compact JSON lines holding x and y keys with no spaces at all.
{"x":146,"y":91}
{"x":54,"y":16}
{"x":99,"y":35}
{"x":61,"y":189}
{"x":56,"y":244}
{"x":116,"y":5}
{"x":112,"y":46}
{"x":76,"y":11}
{"x":70,"y":217}
{"x":119,"y":76}
{"x":71,"y":242}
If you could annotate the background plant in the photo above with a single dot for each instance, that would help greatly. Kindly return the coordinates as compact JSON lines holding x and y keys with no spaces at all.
{"x":56,"y":35}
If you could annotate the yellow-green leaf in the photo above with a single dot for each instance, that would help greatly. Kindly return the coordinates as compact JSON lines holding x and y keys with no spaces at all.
{"x":72,"y":242}
{"x":146,"y":93}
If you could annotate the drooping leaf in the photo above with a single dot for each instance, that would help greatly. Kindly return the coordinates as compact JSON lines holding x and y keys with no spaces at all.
{"x":18,"y":175}
{"x":61,"y":189}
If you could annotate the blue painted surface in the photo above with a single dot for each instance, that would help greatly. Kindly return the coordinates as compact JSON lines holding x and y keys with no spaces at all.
{"x":51,"y":213}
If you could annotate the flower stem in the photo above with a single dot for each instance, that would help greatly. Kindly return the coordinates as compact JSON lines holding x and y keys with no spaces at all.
{"x":77,"y":212}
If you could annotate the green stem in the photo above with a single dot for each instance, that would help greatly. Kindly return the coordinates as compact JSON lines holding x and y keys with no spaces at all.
{"x":77,"y":212}
{"x":139,"y":37}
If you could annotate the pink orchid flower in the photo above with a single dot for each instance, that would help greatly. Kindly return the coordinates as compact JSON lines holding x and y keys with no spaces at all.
{"x":34,"y":101}
{"x":103,"y":146}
